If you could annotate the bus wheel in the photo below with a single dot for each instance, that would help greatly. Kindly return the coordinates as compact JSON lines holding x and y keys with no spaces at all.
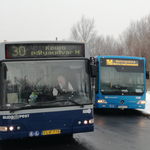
{"x":69,"y":136}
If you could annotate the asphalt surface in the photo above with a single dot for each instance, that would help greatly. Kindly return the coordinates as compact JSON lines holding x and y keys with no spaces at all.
{"x":114,"y":130}
{"x":118,"y":130}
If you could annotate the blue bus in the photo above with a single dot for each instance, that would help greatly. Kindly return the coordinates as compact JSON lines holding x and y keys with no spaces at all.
{"x":32,"y":102}
{"x":121,"y":82}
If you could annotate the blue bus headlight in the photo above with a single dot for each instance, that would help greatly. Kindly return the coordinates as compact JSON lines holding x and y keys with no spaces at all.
{"x":3,"y":128}
{"x":102,"y":101}
{"x":141,"y":102}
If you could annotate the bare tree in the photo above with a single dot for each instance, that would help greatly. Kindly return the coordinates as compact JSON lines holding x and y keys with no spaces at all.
{"x":84,"y":30}
{"x":136,"y":40}
{"x":107,"y":46}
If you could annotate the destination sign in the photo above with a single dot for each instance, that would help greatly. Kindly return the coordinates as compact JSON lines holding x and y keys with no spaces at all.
{"x":43,"y":50}
{"x":116,"y":62}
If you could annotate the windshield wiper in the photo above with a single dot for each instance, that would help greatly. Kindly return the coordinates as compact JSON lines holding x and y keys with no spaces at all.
{"x":136,"y":93}
{"x":65,"y":100}
{"x":81,"y":105}
{"x":28,"y":106}
{"x":12,"y":110}
{"x":117,"y":87}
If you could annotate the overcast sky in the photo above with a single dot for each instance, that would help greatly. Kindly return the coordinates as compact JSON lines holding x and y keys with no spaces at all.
{"x":47,"y":19}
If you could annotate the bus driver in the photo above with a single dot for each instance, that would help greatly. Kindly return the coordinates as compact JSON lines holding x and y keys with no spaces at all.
{"x":62,"y":86}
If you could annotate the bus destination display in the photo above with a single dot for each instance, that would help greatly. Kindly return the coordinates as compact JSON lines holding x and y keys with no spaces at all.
{"x":116,"y":62}
{"x":43,"y":50}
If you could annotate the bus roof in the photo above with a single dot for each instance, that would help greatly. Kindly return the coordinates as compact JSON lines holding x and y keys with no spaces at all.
{"x":28,"y":42}
{"x":121,"y":57}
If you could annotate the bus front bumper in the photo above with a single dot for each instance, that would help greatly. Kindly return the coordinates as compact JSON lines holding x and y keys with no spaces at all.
{"x":137,"y":106}
{"x":30,"y":134}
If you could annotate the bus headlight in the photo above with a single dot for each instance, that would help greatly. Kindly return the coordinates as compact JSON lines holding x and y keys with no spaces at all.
{"x":3,"y":128}
{"x":141,"y":102}
{"x":79,"y":122}
{"x":91,"y":121}
{"x":85,"y":122}
{"x":102,"y":101}
{"x":11,"y":128}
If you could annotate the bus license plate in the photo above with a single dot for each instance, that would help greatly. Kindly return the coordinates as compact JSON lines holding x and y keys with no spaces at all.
{"x":122,"y":106}
{"x":50,"y":132}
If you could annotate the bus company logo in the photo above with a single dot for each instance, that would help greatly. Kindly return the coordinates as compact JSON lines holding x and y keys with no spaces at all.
{"x":138,"y":97}
{"x":87,"y":111}
{"x":15,"y":117}
{"x":106,"y":97}
{"x":109,"y":62}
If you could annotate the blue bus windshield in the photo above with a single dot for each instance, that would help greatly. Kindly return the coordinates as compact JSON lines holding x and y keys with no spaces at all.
{"x":117,"y":80}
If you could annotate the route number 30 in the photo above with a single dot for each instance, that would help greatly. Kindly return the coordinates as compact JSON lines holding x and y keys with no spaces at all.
{"x":21,"y":51}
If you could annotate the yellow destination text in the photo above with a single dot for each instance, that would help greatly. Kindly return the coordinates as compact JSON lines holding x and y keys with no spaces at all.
{"x":121,"y":62}
{"x":60,"y":52}
{"x":55,"y":48}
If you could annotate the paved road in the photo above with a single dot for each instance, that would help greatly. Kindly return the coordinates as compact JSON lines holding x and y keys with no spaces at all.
{"x":114,"y":130}
{"x":118,"y":130}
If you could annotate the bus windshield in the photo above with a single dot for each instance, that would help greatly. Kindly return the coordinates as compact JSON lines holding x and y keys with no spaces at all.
{"x":48,"y":83}
{"x":122,"y":80}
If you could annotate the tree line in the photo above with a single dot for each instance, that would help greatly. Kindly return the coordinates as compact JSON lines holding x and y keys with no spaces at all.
{"x":134,"y":41}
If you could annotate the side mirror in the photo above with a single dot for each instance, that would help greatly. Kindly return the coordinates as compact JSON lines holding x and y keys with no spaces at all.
{"x":93,"y":66}
{"x":5,"y":72}
{"x":92,"y":61}
{"x":147,"y":74}
{"x":93,"y":71}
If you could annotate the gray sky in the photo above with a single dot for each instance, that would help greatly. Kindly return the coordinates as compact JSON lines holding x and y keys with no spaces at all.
{"x":47,"y":19}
